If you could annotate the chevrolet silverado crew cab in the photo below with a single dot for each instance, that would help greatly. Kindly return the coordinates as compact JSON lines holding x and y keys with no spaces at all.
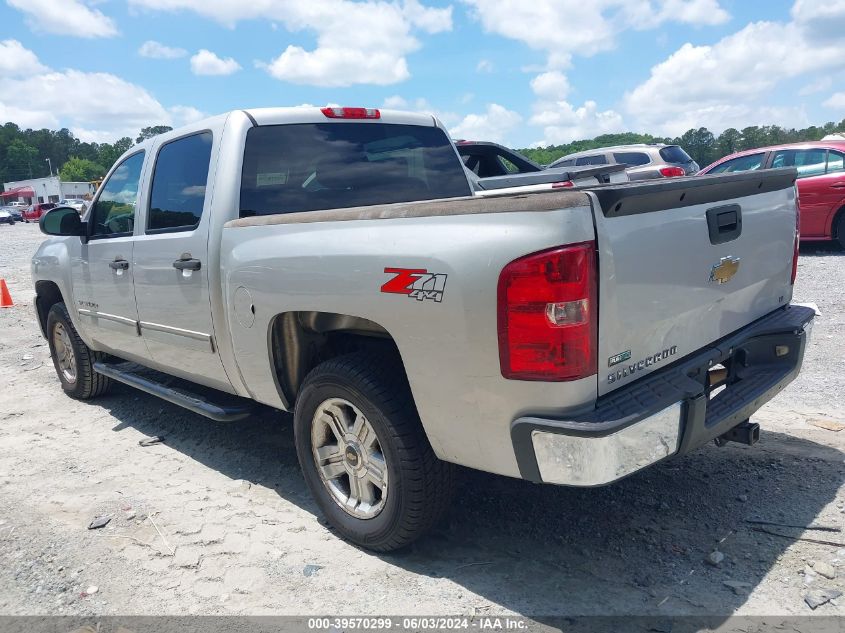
{"x":334,"y":263}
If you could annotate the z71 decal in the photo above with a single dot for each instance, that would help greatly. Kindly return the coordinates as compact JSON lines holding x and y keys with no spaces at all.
{"x":417,"y":283}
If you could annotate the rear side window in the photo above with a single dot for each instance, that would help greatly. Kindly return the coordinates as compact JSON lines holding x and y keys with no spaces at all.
{"x":312,"y":166}
{"x":743,"y":163}
{"x":179,"y":181}
{"x":595,"y":159}
{"x":569,"y":162}
{"x":835,"y":161}
{"x":674,"y":154}
{"x":631,"y":158}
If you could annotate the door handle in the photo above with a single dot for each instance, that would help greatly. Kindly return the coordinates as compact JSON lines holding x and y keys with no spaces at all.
{"x":838,"y":185}
{"x":187,"y":264}
{"x":119,"y":264}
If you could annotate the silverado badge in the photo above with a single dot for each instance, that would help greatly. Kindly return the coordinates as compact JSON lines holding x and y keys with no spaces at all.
{"x":724,"y":271}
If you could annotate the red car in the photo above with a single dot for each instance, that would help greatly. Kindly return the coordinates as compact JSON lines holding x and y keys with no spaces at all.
{"x":821,"y":182}
{"x":34,"y":212}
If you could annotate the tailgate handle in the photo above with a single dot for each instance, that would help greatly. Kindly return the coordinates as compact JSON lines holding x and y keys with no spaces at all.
{"x":724,"y":223}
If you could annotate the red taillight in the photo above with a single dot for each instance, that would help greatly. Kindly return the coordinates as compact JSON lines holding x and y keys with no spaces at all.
{"x":672,"y":172}
{"x":563,"y":184}
{"x":547,"y":304}
{"x":351,"y":113}
{"x":797,"y":239}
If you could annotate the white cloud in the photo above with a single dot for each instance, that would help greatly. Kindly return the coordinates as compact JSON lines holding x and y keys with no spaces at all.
{"x":551,"y":85}
{"x":356,"y":42}
{"x":17,"y":61}
{"x":821,"y":84}
{"x":492,"y":125}
{"x":207,"y":63}
{"x":395,"y":102}
{"x":725,"y":84}
{"x":564,"y":123}
{"x":561,"y":28}
{"x":836,"y":100}
{"x":65,"y":17}
{"x":39,"y":98}
{"x":484,"y":66}
{"x":157,"y":50}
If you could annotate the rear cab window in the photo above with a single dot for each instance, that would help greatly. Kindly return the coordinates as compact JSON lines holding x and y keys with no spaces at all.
{"x":315,"y":166}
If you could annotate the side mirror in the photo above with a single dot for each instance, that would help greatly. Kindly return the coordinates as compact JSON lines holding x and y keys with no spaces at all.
{"x":62,"y":221}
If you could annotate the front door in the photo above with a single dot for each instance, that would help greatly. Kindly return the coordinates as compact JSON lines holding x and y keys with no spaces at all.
{"x":171,"y":264}
{"x":103,"y":280}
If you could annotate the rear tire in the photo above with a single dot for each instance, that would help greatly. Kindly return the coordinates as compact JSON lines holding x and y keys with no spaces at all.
{"x":72,"y":358}
{"x":839,"y":230}
{"x":369,"y":393}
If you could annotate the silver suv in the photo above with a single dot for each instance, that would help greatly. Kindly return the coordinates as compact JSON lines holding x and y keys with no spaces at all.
{"x":644,"y":161}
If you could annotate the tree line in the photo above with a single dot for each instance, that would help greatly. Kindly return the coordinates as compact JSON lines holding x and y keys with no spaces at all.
{"x":24,"y":153}
{"x":704,"y":146}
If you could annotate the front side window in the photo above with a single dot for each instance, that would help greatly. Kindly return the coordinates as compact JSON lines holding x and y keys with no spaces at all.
{"x":114,"y":212}
{"x":313,"y":166}
{"x":595,"y":159}
{"x":808,"y":162}
{"x":743,"y":163}
{"x":178,"y":186}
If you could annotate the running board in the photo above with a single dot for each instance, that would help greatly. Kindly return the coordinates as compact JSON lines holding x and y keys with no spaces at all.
{"x":211,"y":403}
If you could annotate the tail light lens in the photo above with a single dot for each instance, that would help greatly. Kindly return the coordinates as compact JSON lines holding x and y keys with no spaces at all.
{"x":563,"y":184}
{"x":547,"y":304}
{"x":351,"y":113}
{"x":797,"y":238}
{"x":672,"y":172}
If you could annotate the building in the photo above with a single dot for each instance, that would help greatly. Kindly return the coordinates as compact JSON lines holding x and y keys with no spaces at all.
{"x":50,"y":189}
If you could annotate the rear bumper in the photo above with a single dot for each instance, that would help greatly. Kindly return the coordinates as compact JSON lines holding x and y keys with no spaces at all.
{"x":669,"y":412}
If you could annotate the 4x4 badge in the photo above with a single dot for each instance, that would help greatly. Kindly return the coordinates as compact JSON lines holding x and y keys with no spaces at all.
{"x":416,"y":283}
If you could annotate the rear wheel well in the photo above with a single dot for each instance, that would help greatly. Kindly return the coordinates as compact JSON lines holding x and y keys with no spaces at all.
{"x":299,"y":341}
{"x":47,"y":294}
{"x":838,"y":224}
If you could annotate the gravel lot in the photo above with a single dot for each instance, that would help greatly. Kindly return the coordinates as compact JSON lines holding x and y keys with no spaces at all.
{"x":217,"y":520}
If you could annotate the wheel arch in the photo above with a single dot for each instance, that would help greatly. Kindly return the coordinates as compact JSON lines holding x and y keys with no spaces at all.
{"x":299,"y":341}
{"x":47,"y":294}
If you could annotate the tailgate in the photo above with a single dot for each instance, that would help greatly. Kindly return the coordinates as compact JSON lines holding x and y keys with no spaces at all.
{"x":685,"y":262}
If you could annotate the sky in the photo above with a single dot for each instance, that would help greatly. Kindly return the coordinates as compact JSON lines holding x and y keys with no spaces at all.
{"x":520,"y":72}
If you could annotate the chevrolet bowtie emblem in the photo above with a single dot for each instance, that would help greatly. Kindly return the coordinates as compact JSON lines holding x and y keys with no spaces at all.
{"x":724,"y":271}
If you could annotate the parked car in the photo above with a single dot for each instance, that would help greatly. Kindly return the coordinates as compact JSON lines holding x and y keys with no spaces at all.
{"x":77,"y":203}
{"x":644,"y":161}
{"x":17,"y":213}
{"x":6,"y":216}
{"x":17,"y":204}
{"x":821,"y":182}
{"x":486,"y":159}
{"x":34,"y":212}
{"x":343,"y":270}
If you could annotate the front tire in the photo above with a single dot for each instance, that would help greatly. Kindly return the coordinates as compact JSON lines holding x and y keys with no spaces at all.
{"x":72,"y":358}
{"x":364,"y":454}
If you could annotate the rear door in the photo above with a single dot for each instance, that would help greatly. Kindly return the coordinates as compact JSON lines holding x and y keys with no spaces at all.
{"x":686,"y":261}
{"x":171,"y":263}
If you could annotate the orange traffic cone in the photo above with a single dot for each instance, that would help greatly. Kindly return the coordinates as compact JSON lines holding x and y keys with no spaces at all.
{"x":5,"y":297}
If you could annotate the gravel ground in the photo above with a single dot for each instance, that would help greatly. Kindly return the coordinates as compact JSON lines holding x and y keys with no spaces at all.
{"x":217,"y":519}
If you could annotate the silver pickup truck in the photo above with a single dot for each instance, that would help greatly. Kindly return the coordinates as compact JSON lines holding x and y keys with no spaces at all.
{"x":332,"y":262}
